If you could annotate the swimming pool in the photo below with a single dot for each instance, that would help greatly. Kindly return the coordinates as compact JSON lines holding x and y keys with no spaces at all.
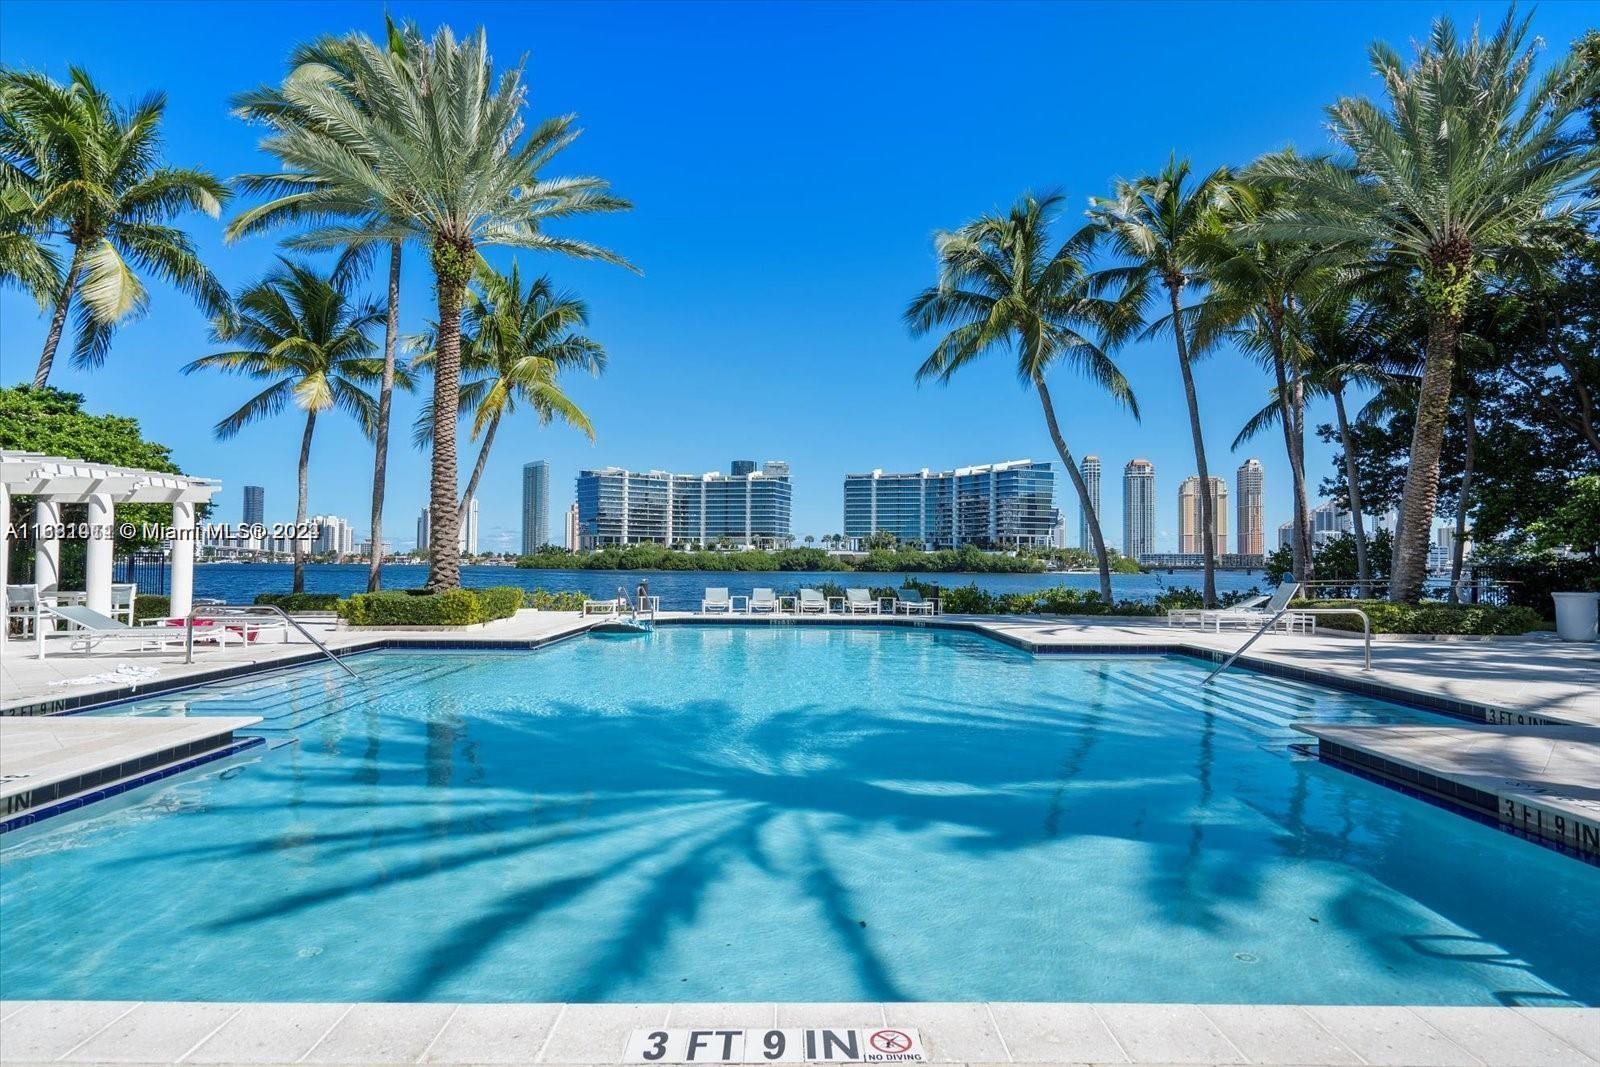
{"x":714,"y":813}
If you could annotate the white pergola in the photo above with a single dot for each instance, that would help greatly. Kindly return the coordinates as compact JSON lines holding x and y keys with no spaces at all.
{"x":54,"y":481}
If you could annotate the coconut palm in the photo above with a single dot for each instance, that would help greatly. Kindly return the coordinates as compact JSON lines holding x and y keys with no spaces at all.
{"x":310,"y":337}
{"x":440,"y":146}
{"x":1002,"y":284}
{"x":27,"y":262}
{"x":1258,"y":293}
{"x":99,"y":185}
{"x":1337,"y":343}
{"x":1471,"y":165}
{"x":319,"y":195}
{"x":514,"y":345}
{"x":1163,"y":227}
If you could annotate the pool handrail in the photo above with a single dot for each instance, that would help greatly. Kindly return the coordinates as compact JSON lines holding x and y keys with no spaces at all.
{"x":220,"y":611}
{"x":1366,"y":633}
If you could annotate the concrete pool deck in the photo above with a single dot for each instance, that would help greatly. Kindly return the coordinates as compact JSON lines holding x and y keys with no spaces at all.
{"x":969,"y":1033}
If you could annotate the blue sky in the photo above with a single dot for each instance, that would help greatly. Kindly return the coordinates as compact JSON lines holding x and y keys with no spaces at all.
{"x":789,"y":164}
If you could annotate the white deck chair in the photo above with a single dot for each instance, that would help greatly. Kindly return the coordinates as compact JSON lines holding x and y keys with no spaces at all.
{"x":717,"y":599}
{"x":811,"y":602}
{"x":762,"y":600}
{"x":88,"y":629}
{"x":123,"y":595}
{"x":1184,"y":616}
{"x":860,"y":602}
{"x":911,"y":602}
{"x":22,"y":605}
{"x":1254,"y":616}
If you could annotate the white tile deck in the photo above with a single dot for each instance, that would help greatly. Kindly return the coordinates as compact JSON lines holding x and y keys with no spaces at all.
{"x":584,"y":1034}
{"x":40,"y":750}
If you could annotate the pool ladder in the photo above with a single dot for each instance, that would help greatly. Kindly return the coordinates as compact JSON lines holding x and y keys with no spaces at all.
{"x":1366,"y":634}
{"x":223,"y":611}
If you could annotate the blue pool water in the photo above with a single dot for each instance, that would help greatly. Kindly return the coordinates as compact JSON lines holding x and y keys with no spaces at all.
{"x":718,"y":813}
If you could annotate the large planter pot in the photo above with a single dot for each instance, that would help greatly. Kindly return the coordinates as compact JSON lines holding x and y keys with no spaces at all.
{"x":1577,"y":615}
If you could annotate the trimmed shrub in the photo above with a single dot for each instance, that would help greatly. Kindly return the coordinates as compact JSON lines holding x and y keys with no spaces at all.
{"x":454,"y":607}
{"x":1430,"y":618}
{"x":545,"y":600}
{"x":293,"y":602}
{"x":499,"y":602}
{"x":151,"y":607}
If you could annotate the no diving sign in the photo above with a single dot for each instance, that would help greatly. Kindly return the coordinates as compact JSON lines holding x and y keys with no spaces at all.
{"x":882,"y":1044}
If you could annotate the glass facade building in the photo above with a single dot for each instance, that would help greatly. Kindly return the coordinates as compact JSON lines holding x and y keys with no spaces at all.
{"x":621,"y":507}
{"x":1138,"y":508}
{"x":535,"y":506}
{"x":999,"y":504}
{"x":1091,"y":482}
{"x":255,"y":506}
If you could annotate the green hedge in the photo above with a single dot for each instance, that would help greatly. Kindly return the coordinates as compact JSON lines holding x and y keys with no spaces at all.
{"x":545,"y":600}
{"x":455,"y":607}
{"x":300,"y":601}
{"x":1426,"y":618}
{"x":146,"y":607}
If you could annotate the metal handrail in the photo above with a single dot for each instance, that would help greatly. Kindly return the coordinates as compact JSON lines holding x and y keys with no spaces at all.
{"x":221,"y":610}
{"x":1366,"y":633}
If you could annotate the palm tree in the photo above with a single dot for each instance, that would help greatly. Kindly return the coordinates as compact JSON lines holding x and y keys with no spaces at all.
{"x":324,"y":194}
{"x":27,"y":263}
{"x":1003,"y":284}
{"x":100,"y":186}
{"x":1338,"y":344}
{"x":309,"y":337}
{"x":1163,"y":228}
{"x":1473,"y":166}
{"x":1259,"y":291}
{"x":514,"y":344}
{"x":440,"y":144}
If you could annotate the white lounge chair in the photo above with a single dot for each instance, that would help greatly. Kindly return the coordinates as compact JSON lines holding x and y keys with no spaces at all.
{"x":603,"y":607}
{"x":911,"y":602}
{"x":88,"y":629}
{"x":762,"y":600}
{"x":717,"y":599}
{"x":811,"y":602}
{"x":1184,"y":616}
{"x":123,"y":595}
{"x":1256,"y":616}
{"x":860,"y":602}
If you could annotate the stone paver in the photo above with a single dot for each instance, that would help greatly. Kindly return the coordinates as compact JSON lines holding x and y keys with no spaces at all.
{"x":951,"y":1033}
{"x":47,"y":1029}
{"x":1496,"y":1037}
{"x":1393,"y":1037}
{"x":1278,"y":1036}
{"x":39,"y":750}
{"x":1067,"y":1033}
{"x":596,"y":1033}
{"x":269,"y":1033}
{"x":1168,"y":1033}
{"x":153,"y":1033}
{"x":494,"y":1033}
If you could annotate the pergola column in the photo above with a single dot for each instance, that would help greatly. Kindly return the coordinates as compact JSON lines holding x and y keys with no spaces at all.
{"x":97,"y":564}
{"x":47,"y":549}
{"x":182,"y":556}
{"x":5,"y":537}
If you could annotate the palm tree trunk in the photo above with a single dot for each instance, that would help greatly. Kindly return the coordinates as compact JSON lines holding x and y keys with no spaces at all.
{"x":1078,"y":483}
{"x":380,"y":462}
{"x":1294,"y":447}
{"x":1208,"y":518}
{"x":1420,"y":497}
{"x":58,"y":320}
{"x":302,"y":508}
{"x":1464,"y":499}
{"x":477,"y":468}
{"x":1302,"y":504}
{"x":452,"y":266}
{"x":1352,"y":481}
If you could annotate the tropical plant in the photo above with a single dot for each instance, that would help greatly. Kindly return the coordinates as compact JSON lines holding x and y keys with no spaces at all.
{"x":1003,"y":283}
{"x":309,"y":337}
{"x":514,"y":345}
{"x":1471,"y":167}
{"x":440,"y":144}
{"x":89,"y":172}
{"x":322,"y":192}
{"x":27,"y":262}
{"x":1164,"y":227}
{"x":1259,"y":295}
